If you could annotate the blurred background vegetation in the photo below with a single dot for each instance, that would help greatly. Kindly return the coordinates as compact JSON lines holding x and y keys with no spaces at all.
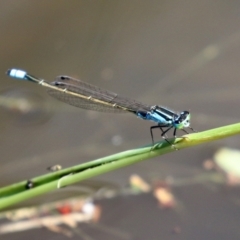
{"x":183,"y":55}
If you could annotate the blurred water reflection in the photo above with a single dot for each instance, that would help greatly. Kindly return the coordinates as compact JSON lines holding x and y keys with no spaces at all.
{"x":24,"y":107}
{"x":183,"y":55}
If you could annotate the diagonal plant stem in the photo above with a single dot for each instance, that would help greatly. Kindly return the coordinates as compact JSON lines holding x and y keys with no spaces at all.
{"x":18,"y":192}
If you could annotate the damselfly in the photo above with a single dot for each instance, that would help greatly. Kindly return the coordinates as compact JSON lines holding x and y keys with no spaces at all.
{"x":87,"y":96}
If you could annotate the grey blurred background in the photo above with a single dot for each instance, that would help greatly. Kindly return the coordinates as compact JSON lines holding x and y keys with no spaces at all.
{"x":179,"y":54}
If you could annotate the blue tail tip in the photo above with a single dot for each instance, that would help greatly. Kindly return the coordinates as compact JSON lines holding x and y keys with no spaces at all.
{"x":16,"y":73}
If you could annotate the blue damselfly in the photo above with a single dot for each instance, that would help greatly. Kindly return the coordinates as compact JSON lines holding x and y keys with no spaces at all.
{"x":87,"y":96}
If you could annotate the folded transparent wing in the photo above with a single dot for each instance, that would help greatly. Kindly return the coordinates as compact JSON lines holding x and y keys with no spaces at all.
{"x":110,"y":101}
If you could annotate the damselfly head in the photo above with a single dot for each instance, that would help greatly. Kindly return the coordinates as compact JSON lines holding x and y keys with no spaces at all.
{"x":183,"y":120}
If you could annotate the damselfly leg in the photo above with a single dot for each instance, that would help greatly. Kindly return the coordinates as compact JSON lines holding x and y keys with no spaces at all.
{"x":163,"y":134}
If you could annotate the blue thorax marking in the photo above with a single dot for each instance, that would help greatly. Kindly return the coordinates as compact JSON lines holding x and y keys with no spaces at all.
{"x":160,"y":115}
